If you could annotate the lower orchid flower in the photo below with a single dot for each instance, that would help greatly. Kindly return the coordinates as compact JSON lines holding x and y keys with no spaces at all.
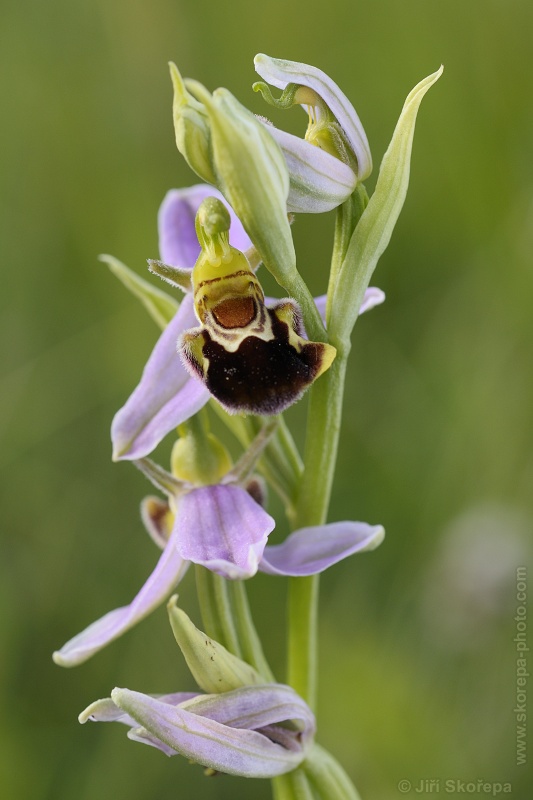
{"x":253,"y":731}
{"x":241,"y":725}
{"x":222,"y":528}
{"x":168,"y":394}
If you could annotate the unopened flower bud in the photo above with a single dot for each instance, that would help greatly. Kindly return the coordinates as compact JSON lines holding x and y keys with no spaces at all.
{"x":228,"y":147}
{"x":200,"y":460}
{"x":191,"y":125}
{"x":252,"y":174}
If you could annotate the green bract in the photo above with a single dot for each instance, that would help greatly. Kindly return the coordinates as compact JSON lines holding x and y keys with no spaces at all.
{"x":213,"y":667}
{"x":376,"y":224}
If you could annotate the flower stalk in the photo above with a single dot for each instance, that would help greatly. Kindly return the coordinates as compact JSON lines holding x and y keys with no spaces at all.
{"x":322,"y":440}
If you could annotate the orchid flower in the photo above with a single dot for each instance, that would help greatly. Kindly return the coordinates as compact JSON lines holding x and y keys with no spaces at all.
{"x":253,"y":358}
{"x":252,"y":731}
{"x":335,"y":143}
{"x":224,"y":529}
{"x":167,"y":394}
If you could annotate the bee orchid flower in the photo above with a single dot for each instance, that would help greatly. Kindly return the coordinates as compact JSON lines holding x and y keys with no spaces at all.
{"x":168,"y":393}
{"x":224,"y":529}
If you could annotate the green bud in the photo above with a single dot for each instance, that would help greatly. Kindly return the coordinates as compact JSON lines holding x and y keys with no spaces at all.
{"x":213,"y":667}
{"x":228,"y":147}
{"x":191,"y":125}
{"x":252,"y":175}
{"x":199,"y":459}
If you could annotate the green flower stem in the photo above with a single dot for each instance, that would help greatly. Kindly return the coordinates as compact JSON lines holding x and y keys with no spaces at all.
{"x":280,"y":463}
{"x":289,"y":449}
{"x":302,"y":637}
{"x":293,"y":786}
{"x":323,"y":428}
{"x":252,"y":650}
{"x":246,"y":464}
{"x":348,"y":215}
{"x":327,"y":776}
{"x":216,"y":610}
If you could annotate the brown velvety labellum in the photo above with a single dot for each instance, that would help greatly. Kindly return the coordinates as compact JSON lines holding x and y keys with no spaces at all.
{"x":236,"y":312}
{"x":261,"y":377}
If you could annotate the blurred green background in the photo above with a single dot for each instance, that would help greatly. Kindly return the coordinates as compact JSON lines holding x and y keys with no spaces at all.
{"x":417,"y":658}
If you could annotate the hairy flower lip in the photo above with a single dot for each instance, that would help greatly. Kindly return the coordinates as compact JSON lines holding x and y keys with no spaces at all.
{"x":167,"y":394}
{"x":280,"y":72}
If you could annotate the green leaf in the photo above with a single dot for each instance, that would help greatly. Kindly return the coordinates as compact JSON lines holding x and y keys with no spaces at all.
{"x":160,"y":305}
{"x":374,"y":230}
